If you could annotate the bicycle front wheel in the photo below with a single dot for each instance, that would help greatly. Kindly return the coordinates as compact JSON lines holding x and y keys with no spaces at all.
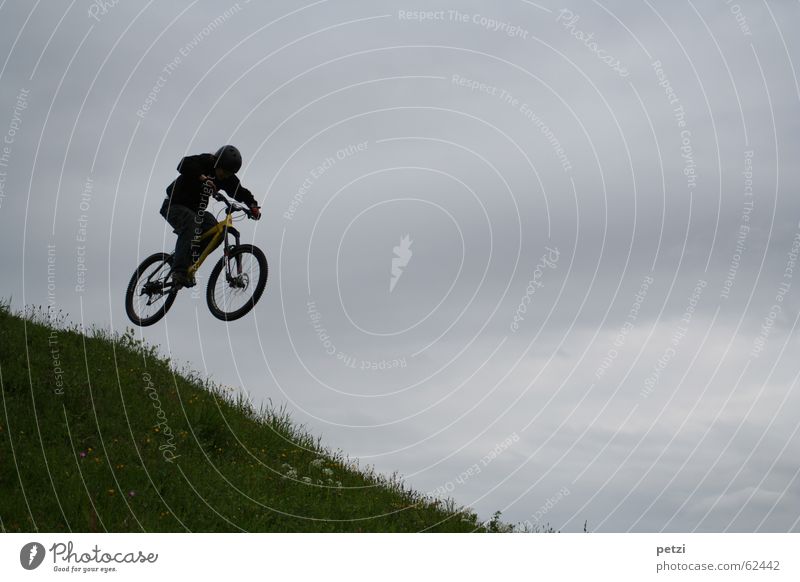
{"x":237,"y":282}
{"x":150,"y":291}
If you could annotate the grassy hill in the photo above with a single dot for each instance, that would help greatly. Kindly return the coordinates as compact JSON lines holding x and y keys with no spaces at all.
{"x":98,"y":433}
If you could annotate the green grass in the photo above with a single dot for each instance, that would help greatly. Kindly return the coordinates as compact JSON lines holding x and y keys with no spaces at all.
{"x":99,"y":433}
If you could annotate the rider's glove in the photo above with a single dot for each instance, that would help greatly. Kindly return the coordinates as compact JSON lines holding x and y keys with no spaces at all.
{"x":255,"y":212}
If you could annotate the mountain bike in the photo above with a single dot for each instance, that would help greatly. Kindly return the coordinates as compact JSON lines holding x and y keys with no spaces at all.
{"x":236,"y":282}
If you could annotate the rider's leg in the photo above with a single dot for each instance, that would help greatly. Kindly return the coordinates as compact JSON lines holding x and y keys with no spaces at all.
{"x":183,"y":221}
{"x":208,"y":222}
{"x":203,"y":221}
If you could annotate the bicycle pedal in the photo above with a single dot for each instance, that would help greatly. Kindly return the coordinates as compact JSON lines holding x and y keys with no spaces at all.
{"x":181,"y":281}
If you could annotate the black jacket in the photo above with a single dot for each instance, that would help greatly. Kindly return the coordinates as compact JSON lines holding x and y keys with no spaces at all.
{"x":187,"y":189}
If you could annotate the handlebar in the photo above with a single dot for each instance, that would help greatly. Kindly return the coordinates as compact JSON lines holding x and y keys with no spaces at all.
{"x":232,"y":206}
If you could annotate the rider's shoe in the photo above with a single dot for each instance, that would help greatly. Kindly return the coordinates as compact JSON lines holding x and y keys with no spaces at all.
{"x":183,"y":280}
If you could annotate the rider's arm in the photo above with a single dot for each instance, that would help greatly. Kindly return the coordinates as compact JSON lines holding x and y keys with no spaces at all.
{"x":235,"y":190}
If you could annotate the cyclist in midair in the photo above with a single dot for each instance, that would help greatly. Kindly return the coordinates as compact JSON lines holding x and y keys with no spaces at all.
{"x":185,"y":207}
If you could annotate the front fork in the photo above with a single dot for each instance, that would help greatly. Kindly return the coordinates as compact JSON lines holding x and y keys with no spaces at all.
{"x":232,"y":274}
{"x":236,"y":271}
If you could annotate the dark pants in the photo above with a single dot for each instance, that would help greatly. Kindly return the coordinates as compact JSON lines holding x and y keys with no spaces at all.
{"x":189,"y":226}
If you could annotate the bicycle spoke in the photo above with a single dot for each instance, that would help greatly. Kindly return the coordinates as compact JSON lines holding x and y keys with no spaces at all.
{"x":151,"y":292}
{"x":235,"y":286}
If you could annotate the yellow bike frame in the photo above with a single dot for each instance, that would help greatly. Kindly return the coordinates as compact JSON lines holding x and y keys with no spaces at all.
{"x":216,"y":233}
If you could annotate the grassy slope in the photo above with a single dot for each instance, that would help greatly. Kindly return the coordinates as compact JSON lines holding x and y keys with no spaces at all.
{"x":92,"y":458}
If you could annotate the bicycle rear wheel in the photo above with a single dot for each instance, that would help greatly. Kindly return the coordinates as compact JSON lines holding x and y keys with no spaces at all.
{"x":150,"y":291}
{"x":237,"y":282}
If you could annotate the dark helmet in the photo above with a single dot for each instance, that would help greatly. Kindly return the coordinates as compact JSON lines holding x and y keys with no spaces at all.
{"x":228,"y":158}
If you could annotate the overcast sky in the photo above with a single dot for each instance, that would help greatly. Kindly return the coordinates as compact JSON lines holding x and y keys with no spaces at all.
{"x":596,"y":318}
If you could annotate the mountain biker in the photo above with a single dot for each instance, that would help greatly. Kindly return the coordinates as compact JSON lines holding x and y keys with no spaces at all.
{"x":187,"y":199}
